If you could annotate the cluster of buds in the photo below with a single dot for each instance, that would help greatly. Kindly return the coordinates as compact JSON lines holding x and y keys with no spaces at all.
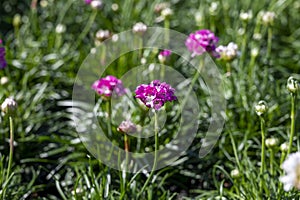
{"x":139,"y":28}
{"x":229,"y":52}
{"x":267,"y":18}
{"x":95,"y":4}
{"x":292,"y":85}
{"x":261,"y":108}
{"x":9,"y":106}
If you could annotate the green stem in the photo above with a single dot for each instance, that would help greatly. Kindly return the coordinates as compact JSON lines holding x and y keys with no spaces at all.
{"x":269,"y":45}
{"x":86,"y":28}
{"x":108,"y":110}
{"x":11,"y":150}
{"x":293,"y":115}
{"x":195,"y":78}
{"x":271,"y":162}
{"x":126,"y":148}
{"x":235,"y":151}
{"x":155,"y":154}
{"x":262,"y":167}
{"x":11,"y":146}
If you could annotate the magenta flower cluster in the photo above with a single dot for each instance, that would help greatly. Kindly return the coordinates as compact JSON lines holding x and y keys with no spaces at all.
{"x":165,"y":53}
{"x":202,"y":41}
{"x":156,"y":94}
{"x":3,"y":62}
{"x":108,"y":85}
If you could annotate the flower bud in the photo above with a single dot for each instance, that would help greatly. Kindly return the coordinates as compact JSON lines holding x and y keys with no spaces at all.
{"x":267,"y":18}
{"x":9,"y":106}
{"x":60,"y":28}
{"x":271,"y":142}
{"x":4,"y":80}
{"x":246,"y":16}
{"x":261,"y":108}
{"x":97,"y":4}
{"x":17,"y":20}
{"x":284,"y":147}
{"x":235,"y":173}
{"x":292,"y":85}
{"x":139,"y":28}
{"x":127,"y":127}
{"x":167,"y":12}
{"x":102,"y":35}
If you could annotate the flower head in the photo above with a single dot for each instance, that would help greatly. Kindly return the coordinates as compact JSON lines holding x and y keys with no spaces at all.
{"x":3,"y":62}
{"x":139,"y":28}
{"x":229,"y":52}
{"x":163,"y":55}
{"x":246,"y":16}
{"x":106,"y":86}
{"x":97,"y":4}
{"x":88,"y":1}
{"x":202,"y":41}
{"x":292,"y":168}
{"x":267,"y":18}
{"x":261,"y":108}
{"x":292,"y":85}
{"x":271,"y":142}
{"x":127,"y":127}
{"x":9,"y":105}
{"x":156,"y":94}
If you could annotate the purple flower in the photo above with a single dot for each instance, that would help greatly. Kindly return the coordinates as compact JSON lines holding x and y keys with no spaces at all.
{"x":127,"y":127}
{"x":88,"y":1}
{"x":163,"y":55}
{"x":3,"y":62}
{"x":202,"y":41}
{"x":106,"y":86}
{"x":156,"y":94}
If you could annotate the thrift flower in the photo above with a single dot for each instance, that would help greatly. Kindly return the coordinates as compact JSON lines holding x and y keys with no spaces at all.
{"x":139,"y":28}
{"x":96,"y":4}
{"x":292,"y":168}
{"x":102,"y":35}
{"x":127,"y":127}
{"x":106,"y":86}
{"x":229,"y":52}
{"x":88,"y":2}
{"x":267,"y":18}
{"x":202,"y":41}
{"x":9,"y":105}
{"x":261,"y":108}
{"x":246,"y":16}
{"x":3,"y":62}
{"x":284,"y":147}
{"x":156,"y":94}
{"x":163,"y":55}
{"x":292,"y":85}
{"x":271,"y":142}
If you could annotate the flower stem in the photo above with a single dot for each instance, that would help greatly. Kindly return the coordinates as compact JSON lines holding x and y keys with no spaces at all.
{"x":10,"y":158}
{"x":269,"y":45}
{"x":155,"y":154}
{"x":293,"y":115}
{"x":11,"y":146}
{"x":262,"y":167}
{"x":108,"y":110}
{"x":271,"y":162}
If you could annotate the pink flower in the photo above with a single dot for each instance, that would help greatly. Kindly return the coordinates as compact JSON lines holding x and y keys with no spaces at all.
{"x":156,"y":94}
{"x":202,"y":41}
{"x":106,"y":86}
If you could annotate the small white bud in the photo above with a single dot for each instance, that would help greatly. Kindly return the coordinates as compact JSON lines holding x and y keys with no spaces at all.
{"x":271,"y":142}
{"x":261,"y":108}
{"x":139,"y":28}
{"x":9,"y":105}
{"x":96,"y":4}
{"x":292,"y":85}
{"x":235,"y":173}
{"x":60,"y":28}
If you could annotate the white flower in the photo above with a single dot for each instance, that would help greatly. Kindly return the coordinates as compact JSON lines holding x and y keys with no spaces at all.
{"x":229,"y":52}
{"x":268,"y":17}
{"x":9,"y":105}
{"x":96,"y":4}
{"x":261,"y":108}
{"x":246,"y":16}
{"x":139,"y":28}
{"x":292,"y":85}
{"x":292,"y":168}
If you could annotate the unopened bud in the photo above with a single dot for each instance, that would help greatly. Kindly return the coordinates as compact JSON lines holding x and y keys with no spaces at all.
{"x":292,"y":85}
{"x":9,"y":106}
{"x":271,"y":142}
{"x":261,"y":108}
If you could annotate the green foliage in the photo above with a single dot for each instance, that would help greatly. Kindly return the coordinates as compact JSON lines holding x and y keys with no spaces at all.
{"x":49,"y":160}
